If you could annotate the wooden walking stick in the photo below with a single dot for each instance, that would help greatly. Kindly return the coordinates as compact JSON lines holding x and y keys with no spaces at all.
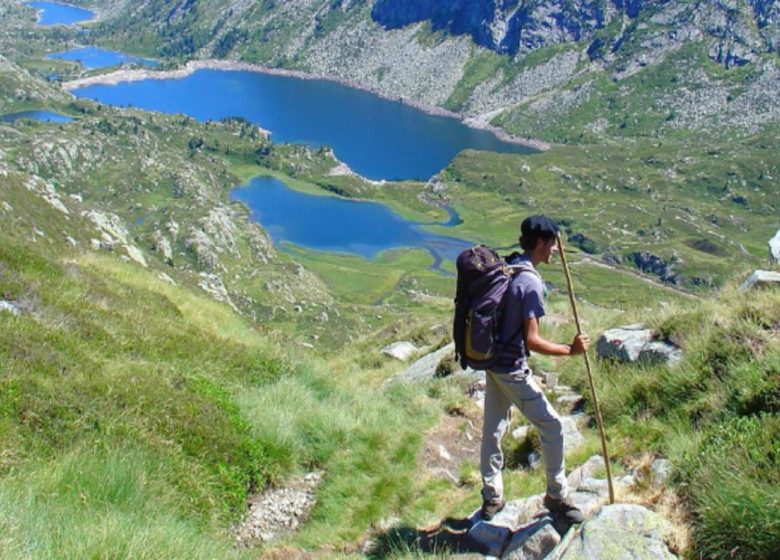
{"x":587,"y":368}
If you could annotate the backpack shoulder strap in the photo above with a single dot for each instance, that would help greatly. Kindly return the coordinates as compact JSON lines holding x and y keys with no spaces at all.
{"x":524,"y":266}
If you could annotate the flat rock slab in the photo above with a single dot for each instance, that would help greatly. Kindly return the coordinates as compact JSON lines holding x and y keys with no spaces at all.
{"x":532,"y":542}
{"x":8,"y":307}
{"x":634,"y":343}
{"x":400,"y":350}
{"x":488,"y":537}
{"x":622,"y":532}
{"x":425,"y":367}
{"x":761,"y":279}
{"x":524,"y":526}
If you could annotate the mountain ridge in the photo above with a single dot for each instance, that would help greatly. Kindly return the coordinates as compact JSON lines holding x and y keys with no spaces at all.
{"x":452,"y":64}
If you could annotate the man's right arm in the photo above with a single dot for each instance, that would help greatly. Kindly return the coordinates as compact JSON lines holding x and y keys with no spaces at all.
{"x":536,"y":343}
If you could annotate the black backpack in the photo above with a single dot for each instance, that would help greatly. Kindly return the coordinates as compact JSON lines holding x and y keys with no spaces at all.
{"x":483,"y":280}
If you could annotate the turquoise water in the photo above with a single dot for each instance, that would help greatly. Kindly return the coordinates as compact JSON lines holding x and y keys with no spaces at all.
{"x":327,"y":223}
{"x":43,"y":116}
{"x":378,"y":138}
{"x":52,"y":13}
{"x":95,"y":57}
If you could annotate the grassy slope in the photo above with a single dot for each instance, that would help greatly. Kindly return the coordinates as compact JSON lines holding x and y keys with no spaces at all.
{"x":139,"y":414}
{"x":706,"y":403}
{"x":715,"y":416}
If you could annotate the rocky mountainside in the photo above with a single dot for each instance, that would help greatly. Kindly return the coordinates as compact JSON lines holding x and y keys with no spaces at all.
{"x":524,"y":26}
{"x":512,"y":63}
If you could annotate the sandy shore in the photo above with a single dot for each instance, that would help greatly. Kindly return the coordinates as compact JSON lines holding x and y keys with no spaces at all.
{"x":133,"y":75}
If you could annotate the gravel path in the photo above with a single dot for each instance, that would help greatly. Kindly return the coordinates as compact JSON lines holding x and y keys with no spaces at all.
{"x":278,"y":510}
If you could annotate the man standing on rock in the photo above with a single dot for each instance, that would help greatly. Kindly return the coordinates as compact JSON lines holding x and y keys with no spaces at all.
{"x":512,"y":381}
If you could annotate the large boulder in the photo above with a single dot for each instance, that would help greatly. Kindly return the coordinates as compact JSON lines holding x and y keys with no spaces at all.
{"x":622,"y":532}
{"x":774,"y":248}
{"x":635,"y":343}
{"x":402,"y":350}
{"x":761,"y":279}
{"x":572,"y":438}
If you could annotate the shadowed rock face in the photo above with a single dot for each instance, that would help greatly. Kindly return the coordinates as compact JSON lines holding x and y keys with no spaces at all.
{"x":509,"y":26}
{"x":512,"y":26}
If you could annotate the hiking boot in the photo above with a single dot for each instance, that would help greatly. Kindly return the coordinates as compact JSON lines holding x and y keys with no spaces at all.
{"x":564,"y":508}
{"x":491,"y":507}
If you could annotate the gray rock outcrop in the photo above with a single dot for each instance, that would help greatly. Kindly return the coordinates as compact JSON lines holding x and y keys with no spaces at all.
{"x":427,"y":367}
{"x":653,"y":264}
{"x":8,"y":307}
{"x":761,"y":279}
{"x":660,"y":471}
{"x":774,"y":248}
{"x":572,"y":438}
{"x":402,"y":350}
{"x":531,"y":542}
{"x":622,"y":531}
{"x":512,"y":27}
{"x":524,"y":528}
{"x":635,"y":343}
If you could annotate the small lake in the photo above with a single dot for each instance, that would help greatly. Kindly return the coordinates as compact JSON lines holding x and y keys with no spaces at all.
{"x":54,"y":13}
{"x":95,"y":57}
{"x":42,"y":116}
{"x":376,"y":137}
{"x":327,"y":223}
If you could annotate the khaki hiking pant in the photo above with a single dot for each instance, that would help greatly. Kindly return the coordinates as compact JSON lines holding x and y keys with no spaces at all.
{"x":502,"y":390}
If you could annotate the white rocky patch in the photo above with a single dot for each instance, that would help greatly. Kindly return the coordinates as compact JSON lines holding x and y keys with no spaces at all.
{"x":8,"y":307}
{"x":402,"y":350}
{"x":173,"y":229}
{"x":135,"y":254}
{"x":278,"y":510}
{"x":164,"y":246}
{"x":110,"y":226}
{"x":490,"y":96}
{"x":219,"y":226}
{"x":166,"y":278}
{"x":47,"y":192}
{"x":774,"y":248}
{"x":213,"y":285}
{"x":391,"y":62}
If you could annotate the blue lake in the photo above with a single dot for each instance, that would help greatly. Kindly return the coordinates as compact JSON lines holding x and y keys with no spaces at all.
{"x":43,"y":116}
{"x":53,"y":13}
{"x":328,"y":223}
{"x":95,"y":57}
{"x":378,"y":138}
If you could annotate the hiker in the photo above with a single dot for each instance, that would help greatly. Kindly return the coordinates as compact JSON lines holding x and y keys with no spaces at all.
{"x":510,"y":381}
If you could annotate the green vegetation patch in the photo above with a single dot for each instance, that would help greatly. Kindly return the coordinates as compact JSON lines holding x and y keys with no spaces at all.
{"x":715,"y":415}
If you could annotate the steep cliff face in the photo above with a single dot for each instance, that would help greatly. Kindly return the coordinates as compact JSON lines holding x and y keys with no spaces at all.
{"x":510,"y":26}
{"x":521,"y":26}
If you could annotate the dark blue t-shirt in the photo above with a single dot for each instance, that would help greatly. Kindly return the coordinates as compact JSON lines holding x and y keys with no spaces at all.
{"x":525,"y":300}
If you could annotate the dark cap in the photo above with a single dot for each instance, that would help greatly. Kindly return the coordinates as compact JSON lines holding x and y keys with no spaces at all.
{"x":537,"y":227}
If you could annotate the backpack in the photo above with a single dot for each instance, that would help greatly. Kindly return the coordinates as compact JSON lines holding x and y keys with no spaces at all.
{"x":483,"y":281}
